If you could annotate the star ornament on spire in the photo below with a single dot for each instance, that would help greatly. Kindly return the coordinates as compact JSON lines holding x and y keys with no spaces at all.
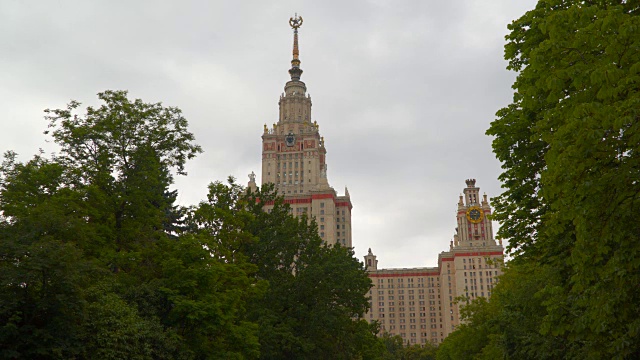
{"x":295,"y":21}
{"x":295,"y":70}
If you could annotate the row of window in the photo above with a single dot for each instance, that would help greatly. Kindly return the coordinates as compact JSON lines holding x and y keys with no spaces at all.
{"x":401,"y":297}
{"x":291,"y":174}
{"x":401,"y":291}
{"x":475,"y":287}
{"x":291,"y":165}
{"x":410,"y":280}
{"x":289,"y":156}
{"x":479,"y":273}
{"x":473,"y":281}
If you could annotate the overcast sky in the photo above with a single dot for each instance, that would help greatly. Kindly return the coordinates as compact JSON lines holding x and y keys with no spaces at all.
{"x":403,"y":92}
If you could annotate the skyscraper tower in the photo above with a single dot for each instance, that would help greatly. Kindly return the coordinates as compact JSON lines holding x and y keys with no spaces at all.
{"x":294,"y":158}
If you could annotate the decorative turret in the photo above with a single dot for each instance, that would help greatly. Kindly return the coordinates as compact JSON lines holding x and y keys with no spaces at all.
{"x":370,"y":261}
{"x":471,"y":192}
{"x":252,"y":182}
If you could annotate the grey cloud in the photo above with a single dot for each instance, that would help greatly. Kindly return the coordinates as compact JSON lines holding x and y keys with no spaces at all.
{"x":403,"y":92}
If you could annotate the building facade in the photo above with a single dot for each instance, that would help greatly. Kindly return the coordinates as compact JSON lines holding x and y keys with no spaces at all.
{"x":419,"y":304}
{"x":294,"y":159}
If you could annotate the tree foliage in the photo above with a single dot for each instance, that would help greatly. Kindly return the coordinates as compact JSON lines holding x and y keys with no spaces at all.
{"x":569,"y":144}
{"x":314,"y":301}
{"x":91,"y":261}
{"x":396,"y":349}
{"x":509,"y":325}
{"x":96,"y":260}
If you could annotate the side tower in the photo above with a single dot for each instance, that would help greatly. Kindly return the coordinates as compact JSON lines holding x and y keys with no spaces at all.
{"x":474,"y":227}
{"x":421,"y":304}
{"x":474,"y":261}
{"x":294,"y":159}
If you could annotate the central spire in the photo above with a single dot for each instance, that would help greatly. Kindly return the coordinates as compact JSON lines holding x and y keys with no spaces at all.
{"x":295,"y":71}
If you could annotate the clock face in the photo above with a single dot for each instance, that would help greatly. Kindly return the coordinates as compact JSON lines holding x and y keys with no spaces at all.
{"x":475,"y":214}
{"x":290,"y":139}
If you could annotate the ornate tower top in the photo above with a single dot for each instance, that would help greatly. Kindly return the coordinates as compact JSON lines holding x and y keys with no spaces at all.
{"x":471,"y":182}
{"x":295,"y":70}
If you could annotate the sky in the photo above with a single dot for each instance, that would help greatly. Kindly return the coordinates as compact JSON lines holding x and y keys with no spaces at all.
{"x":403,"y":92}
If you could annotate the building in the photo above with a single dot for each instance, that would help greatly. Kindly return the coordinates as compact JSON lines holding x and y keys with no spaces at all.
{"x":294,"y":159}
{"x":419,"y":304}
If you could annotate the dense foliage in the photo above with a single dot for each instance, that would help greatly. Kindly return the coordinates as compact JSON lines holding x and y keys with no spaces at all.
{"x":96,"y":261}
{"x":570,"y":148}
{"x":395,"y":348}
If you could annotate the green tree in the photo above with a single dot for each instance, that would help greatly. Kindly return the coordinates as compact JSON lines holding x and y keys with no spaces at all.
{"x":473,"y":335}
{"x":314,"y":304}
{"x":316,"y":301}
{"x":518,"y":308}
{"x":121,"y":153}
{"x":42,"y":274}
{"x":421,"y":352}
{"x":395,"y":349}
{"x":569,"y":145}
{"x":393,"y":346}
{"x":94,"y":262}
{"x":508,"y":326}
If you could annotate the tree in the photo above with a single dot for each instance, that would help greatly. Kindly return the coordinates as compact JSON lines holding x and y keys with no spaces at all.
{"x":472,"y":336}
{"x":314,"y":304}
{"x":393,"y":346}
{"x":121,"y":152}
{"x":509,"y":325}
{"x":42,"y":274}
{"x":395,"y":349}
{"x":569,"y":144}
{"x":94,"y":262}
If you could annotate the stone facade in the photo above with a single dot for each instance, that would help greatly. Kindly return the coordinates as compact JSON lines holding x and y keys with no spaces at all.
{"x":419,"y":304}
{"x":294,"y":160}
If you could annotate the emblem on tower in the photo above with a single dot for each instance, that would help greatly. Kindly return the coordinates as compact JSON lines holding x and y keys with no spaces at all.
{"x":295,"y":21}
{"x":290,"y":139}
